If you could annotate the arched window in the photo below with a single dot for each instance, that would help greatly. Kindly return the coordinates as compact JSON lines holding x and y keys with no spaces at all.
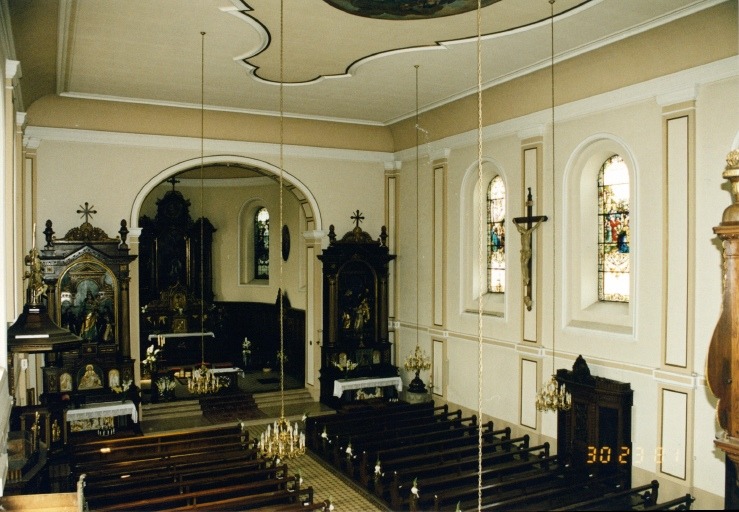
{"x":613,"y":235}
{"x":496,"y":235}
{"x":261,"y":244}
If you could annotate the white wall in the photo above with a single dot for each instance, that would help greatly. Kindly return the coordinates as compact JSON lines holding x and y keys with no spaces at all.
{"x":634,"y":117}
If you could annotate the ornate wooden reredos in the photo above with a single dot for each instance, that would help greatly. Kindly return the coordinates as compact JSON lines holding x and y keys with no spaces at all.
{"x":170,"y":249}
{"x":355,"y":306}
{"x":87,"y":273}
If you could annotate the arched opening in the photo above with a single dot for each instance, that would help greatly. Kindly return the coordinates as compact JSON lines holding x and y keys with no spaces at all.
{"x":195,"y":227}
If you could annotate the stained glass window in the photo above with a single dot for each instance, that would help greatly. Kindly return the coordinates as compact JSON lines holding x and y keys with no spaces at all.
{"x":496,"y":235}
{"x":261,"y":244}
{"x":614,"y":232}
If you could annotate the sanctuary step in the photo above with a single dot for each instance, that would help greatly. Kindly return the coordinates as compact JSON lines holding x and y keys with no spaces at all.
{"x":272,"y":398}
{"x":170,"y":410}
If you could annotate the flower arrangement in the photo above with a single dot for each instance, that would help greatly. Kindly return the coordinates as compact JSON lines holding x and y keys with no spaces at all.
{"x":125,"y":386}
{"x":245,"y":351}
{"x":150,"y":361}
{"x":417,"y":361}
{"x":165,"y":385}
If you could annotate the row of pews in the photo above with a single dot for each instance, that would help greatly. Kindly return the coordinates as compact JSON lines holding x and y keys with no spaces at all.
{"x":211,"y":469}
{"x":425,"y":457}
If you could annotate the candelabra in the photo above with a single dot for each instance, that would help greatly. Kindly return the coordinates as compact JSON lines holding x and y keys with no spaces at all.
{"x":553,"y":397}
{"x":203,"y":381}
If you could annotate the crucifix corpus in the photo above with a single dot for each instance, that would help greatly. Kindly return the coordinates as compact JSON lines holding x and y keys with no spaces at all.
{"x":526,"y":226}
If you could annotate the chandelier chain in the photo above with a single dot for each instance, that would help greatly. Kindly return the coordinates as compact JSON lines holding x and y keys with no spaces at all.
{"x":481,"y":253}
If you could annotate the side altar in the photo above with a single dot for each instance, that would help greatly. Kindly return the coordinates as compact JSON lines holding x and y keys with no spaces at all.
{"x":355,"y":310}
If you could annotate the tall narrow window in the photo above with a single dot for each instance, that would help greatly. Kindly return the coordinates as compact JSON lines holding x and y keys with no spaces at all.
{"x":613,"y":235}
{"x":496,"y":236}
{"x":261,"y":244}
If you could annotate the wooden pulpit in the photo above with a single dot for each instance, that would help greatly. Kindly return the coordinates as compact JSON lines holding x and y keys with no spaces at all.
{"x":722,"y":370}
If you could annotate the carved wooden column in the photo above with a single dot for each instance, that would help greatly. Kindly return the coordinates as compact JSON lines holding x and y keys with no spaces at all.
{"x":722,"y":371}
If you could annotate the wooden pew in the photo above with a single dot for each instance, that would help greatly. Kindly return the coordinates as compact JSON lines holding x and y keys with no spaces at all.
{"x":106,"y":495}
{"x":158,"y":448}
{"x":402,"y":456}
{"x":682,"y":503}
{"x":558,"y":491}
{"x":368,"y":430}
{"x":267,"y":501}
{"x":208,"y":496}
{"x":391,"y":485}
{"x":415,"y":442}
{"x":324,"y":506}
{"x":338,"y":444}
{"x":118,"y":482}
{"x":446,"y":490}
{"x":81,"y":450}
{"x":624,"y":499}
{"x":162,"y":464}
{"x":314,"y":425}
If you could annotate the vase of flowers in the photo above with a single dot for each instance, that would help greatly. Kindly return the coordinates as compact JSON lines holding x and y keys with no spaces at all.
{"x":246,"y":352}
{"x":415,"y":362}
{"x":150,"y":361}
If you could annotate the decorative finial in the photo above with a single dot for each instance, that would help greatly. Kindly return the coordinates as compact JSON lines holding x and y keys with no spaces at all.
{"x":357,"y":218}
{"x":87,"y":212}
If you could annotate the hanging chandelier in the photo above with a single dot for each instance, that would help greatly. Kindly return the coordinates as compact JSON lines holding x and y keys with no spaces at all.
{"x":203,"y":380}
{"x":553,"y":396}
{"x":280,"y":439}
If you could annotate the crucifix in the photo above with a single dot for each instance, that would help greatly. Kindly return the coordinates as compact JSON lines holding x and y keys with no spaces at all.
{"x":526,"y":226}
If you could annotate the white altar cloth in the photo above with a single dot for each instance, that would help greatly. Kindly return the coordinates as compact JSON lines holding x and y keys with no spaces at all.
{"x":341,"y":385}
{"x":104,"y":410}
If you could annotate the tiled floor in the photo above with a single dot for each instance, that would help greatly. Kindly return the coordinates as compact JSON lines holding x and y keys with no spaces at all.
{"x":327,"y":483}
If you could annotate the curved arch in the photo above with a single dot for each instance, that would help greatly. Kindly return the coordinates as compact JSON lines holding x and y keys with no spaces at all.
{"x":579,"y":236}
{"x":289,"y":181}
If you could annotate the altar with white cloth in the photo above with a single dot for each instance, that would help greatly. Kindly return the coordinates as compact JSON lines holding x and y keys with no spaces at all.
{"x":342,"y":385}
{"x":98,"y":416}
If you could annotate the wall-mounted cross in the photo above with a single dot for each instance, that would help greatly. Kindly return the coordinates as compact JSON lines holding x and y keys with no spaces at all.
{"x":357,"y":218}
{"x":87,"y":211}
{"x":526,"y":226}
{"x":173,"y":181}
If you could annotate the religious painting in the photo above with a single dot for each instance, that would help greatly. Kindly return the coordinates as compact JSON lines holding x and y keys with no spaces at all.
{"x":179,"y":324}
{"x":407,"y":9}
{"x":114,"y":378}
{"x":89,"y":377}
{"x":88,"y":300}
{"x":65,"y":382}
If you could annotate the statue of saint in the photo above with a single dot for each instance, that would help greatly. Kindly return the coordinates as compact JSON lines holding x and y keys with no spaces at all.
{"x":361,"y":316}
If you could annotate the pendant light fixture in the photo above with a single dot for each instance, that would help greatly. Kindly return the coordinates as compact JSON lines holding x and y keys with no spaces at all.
{"x":203,"y":380}
{"x":281,"y":440}
{"x":553,"y":396}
